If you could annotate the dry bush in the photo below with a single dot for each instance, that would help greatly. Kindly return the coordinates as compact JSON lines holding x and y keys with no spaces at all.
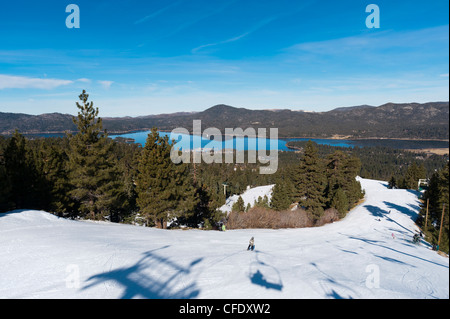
{"x":329,"y":216}
{"x":259,"y":217}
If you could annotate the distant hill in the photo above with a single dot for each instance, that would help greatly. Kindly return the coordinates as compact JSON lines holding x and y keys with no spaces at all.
{"x":391,"y":120}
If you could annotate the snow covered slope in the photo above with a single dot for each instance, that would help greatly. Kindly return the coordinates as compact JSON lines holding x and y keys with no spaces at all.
{"x":42,"y":256}
{"x":249,"y":197}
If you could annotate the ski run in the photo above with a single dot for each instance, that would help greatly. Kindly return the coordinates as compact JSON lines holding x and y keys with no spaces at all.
{"x":369,"y":254}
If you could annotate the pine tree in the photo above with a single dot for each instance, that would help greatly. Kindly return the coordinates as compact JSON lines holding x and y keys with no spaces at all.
{"x":339,"y":201}
{"x":343,"y":189}
{"x":164,"y":189}
{"x":437,"y":195}
{"x":280,"y":197}
{"x":310,"y":181}
{"x":412,"y":176}
{"x":96,"y":186}
{"x":21,"y":175}
{"x":54,"y":159}
{"x":392,"y":182}
{"x":5,"y":186}
{"x":239,"y":205}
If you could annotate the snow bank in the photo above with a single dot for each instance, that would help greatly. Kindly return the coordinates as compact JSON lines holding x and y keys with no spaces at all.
{"x":369,"y":254}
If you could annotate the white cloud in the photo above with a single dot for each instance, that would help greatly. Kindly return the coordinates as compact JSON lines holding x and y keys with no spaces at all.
{"x":22,"y":82}
{"x":84,"y":80}
{"x":106,"y":84}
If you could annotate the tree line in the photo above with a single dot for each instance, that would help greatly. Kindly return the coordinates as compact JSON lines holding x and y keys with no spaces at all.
{"x":87,"y":175}
{"x":402,"y":168}
{"x":435,"y":209}
{"x":317,"y":183}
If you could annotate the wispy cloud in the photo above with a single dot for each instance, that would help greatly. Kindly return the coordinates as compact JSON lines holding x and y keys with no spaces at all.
{"x":236,"y":38}
{"x":105,"y":84}
{"x":195,"y":18}
{"x":157,"y":13}
{"x":379,"y":41}
{"x":22,"y":82}
{"x":84,"y":80}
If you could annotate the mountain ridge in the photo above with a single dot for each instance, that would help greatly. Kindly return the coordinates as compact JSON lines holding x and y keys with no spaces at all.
{"x":390,"y":120}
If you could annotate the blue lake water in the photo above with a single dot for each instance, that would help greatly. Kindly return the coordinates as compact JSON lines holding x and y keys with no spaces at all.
{"x":248,"y":143}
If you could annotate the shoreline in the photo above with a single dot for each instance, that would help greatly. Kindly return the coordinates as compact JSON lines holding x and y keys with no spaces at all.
{"x":333,"y":137}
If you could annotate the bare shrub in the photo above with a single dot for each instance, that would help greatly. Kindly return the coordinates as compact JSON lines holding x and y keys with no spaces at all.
{"x":260,"y":217}
{"x":330,"y":215}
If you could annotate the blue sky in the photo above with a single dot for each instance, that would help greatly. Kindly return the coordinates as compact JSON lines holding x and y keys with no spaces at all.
{"x":151,"y":57}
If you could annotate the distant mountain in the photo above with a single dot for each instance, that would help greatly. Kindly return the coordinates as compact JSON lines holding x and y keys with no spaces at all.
{"x":350,"y":108}
{"x":391,"y":120}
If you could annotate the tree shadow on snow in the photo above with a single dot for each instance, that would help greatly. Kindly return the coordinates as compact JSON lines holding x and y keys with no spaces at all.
{"x":376,"y":211}
{"x":380,"y":213}
{"x":411,"y":211}
{"x":329,"y":285}
{"x":152,"y":277}
{"x":380,"y":244}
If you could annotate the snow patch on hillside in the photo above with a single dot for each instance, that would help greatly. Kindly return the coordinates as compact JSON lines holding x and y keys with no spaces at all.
{"x":249,"y":196}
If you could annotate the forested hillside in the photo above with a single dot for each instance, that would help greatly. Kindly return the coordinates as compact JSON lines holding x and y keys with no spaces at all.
{"x":89,"y":176}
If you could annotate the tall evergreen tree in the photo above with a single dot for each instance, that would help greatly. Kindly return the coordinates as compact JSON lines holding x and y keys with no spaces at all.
{"x":21,"y":174}
{"x":343,"y":189}
{"x":310,"y":181}
{"x":96,"y":186}
{"x":281,"y":199}
{"x":53,"y":165}
{"x":239,"y":205}
{"x":412,"y":176}
{"x":437,"y":195}
{"x":340,"y":201}
{"x":5,"y":186}
{"x":164,"y":189}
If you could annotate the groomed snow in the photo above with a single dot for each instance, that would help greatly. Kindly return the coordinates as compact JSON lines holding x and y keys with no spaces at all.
{"x":43,"y":256}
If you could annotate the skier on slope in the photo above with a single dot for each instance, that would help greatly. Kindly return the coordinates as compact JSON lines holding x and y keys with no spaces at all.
{"x":251,"y":244}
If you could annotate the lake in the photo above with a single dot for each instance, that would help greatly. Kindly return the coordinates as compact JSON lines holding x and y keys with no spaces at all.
{"x":249,"y":143}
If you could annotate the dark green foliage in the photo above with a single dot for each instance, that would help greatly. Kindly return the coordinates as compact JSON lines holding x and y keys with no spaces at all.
{"x":392,"y":182}
{"x":281,"y":199}
{"x":310,"y":182}
{"x":343,"y":188}
{"x":239,"y":206}
{"x":412,"y":176}
{"x":262,"y":202}
{"x":5,"y":187}
{"x":318,"y":183}
{"x":437,"y":195}
{"x":164,"y":189}
{"x":89,"y":176}
{"x":340,"y":201}
{"x":383,"y":163}
{"x":52,"y":159}
{"x":96,"y":188}
{"x":24,"y":185}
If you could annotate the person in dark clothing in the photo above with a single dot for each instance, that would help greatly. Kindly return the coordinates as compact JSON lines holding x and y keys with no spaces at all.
{"x":251,"y":244}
